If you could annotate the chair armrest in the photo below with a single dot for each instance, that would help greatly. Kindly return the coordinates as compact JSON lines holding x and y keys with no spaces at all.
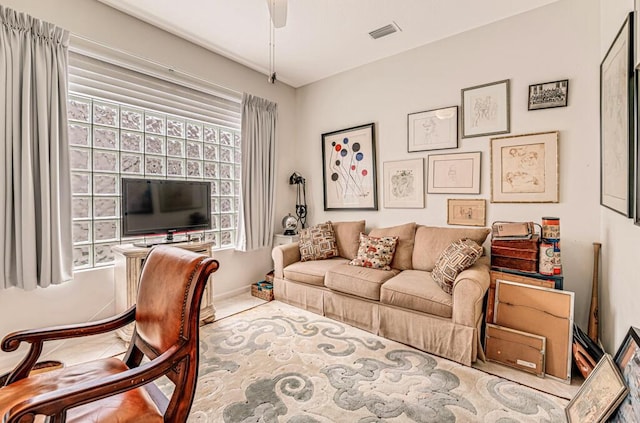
{"x":36,"y":337}
{"x":469,"y":289}
{"x":284,"y":255}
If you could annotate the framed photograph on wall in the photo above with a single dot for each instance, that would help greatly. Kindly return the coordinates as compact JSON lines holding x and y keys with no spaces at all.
{"x":404,"y":184}
{"x":457,"y":173}
{"x":433,"y":129}
{"x":524,"y":168}
{"x":349,"y":169}
{"x":617,"y":123}
{"x":485,"y":109}
{"x":627,"y":359}
{"x":548,"y":95}
{"x":466,"y":212}
{"x":599,"y":395}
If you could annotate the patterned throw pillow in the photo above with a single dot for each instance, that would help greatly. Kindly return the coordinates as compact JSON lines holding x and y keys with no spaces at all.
{"x":317,"y":242}
{"x":454,"y":259}
{"x":375,"y":252}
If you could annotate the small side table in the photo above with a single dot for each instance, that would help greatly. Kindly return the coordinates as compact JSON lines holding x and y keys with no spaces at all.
{"x":281,"y":239}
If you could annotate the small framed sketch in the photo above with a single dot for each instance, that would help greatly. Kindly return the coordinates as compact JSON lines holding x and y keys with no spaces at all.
{"x":433,"y":129}
{"x":404,"y":184}
{"x":485,"y":109}
{"x":627,"y":359}
{"x":599,"y":395}
{"x":466,"y":212}
{"x":457,"y":173}
{"x":524,"y":168}
{"x":548,"y":95}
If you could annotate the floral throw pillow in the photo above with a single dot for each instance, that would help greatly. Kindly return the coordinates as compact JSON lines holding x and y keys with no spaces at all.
{"x":454,"y":259}
{"x":374,"y":252}
{"x":318,"y":242}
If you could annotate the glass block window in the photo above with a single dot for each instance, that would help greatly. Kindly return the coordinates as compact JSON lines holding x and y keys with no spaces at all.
{"x":109,"y":140}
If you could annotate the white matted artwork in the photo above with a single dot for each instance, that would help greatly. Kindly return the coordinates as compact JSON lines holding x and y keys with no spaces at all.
{"x":432,"y":129}
{"x":404,"y":184}
{"x":485,"y":109}
{"x":524,"y":168}
{"x":457,"y":173}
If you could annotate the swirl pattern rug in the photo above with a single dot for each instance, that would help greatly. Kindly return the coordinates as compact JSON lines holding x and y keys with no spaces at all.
{"x":278,"y":363}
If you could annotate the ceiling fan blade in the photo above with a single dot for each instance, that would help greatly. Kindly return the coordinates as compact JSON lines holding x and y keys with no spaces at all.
{"x":278,"y":12}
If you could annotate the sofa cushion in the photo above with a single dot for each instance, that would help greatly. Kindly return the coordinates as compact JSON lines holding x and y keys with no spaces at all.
{"x":374,"y":252}
{"x":416,"y":290}
{"x":317,"y":242}
{"x":431,"y":241}
{"x":404,"y":250}
{"x":311,"y":272}
{"x":457,"y":257}
{"x":360,"y":281}
{"x":348,"y":237}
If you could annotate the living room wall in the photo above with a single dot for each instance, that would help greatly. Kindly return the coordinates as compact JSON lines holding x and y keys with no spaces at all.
{"x":554,"y":42}
{"x":90,"y":295}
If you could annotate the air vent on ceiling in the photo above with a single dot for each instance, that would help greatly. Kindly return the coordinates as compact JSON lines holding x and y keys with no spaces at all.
{"x":385,"y":30}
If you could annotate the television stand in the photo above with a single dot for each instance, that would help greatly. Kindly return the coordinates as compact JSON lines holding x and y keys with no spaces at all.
{"x":154,"y":243}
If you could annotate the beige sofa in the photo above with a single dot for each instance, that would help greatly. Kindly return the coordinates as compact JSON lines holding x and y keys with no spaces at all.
{"x":403,"y":304}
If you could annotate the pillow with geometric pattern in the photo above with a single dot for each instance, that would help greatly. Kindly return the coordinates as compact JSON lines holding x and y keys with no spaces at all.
{"x":375,"y":252}
{"x":318,"y":242}
{"x":458,"y":256}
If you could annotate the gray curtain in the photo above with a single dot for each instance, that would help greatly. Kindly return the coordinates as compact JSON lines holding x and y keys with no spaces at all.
{"x":35,"y":202}
{"x":257,"y":202}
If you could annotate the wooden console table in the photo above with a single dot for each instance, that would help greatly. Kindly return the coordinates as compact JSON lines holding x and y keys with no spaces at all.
{"x":128,"y":268}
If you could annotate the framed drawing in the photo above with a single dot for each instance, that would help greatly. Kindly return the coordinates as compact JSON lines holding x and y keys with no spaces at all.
{"x":485,"y":109}
{"x":599,"y":395}
{"x":433,"y":129}
{"x":627,"y":359}
{"x":404,"y":184}
{"x":548,"y":95}
{"x":349,"y":169}
{"x":617,"y":122}
{"x":466,"y":212}
{"x":457,"y":173}
{"x":524,"y":168}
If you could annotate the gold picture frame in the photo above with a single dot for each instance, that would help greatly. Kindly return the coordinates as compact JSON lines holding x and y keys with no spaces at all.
{"x":466,"y":212}
{"x":524,"y":168}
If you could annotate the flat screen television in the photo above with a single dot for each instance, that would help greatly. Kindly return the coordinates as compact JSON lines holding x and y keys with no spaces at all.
{"x":164,"y":207}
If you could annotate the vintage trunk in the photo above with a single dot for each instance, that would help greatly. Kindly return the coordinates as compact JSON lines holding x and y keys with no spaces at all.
{"x":516,"y":254}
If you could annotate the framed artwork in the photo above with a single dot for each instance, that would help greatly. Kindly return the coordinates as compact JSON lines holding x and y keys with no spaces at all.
{"x":349,"y":169}
{"x":548,"y":95}
{"x":524,"y":168}
{"x":617,"y":122}
{"x":627,"y":359}
{"x":466,"y":212}
{"x":485,"y":109}
{"x":404,"y":184}
{"x":599,"y":395}
{"x":457,"y":173}
{"x":433,"y":129}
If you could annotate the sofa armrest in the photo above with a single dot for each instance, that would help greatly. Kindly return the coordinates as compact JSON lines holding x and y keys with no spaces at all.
{"x":469,"y":289}
{"x":284,"y":255}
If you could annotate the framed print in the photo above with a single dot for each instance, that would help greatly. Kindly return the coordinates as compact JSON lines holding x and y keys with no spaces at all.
{"x":617,"y":123}
{"x":485,"y":109}
{"x":599,"y":395}
{"x":548,"y":95}
{"x":466,"y":212}
{"x":524,"y":168}
{"x":404,"y":184}
{"x":433,"y":129}
{"x":457,"y":173}
{"x":349,"y":169}
{"x":627,"y":359}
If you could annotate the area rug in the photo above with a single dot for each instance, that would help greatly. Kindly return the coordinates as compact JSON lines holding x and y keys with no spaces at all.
{"x":278,"y":363}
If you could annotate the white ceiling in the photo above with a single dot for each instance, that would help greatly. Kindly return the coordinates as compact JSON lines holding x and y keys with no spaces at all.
{"x":321,"y":37}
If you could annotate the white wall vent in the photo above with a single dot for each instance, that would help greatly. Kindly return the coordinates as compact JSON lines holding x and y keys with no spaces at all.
{"x":384,"y":31}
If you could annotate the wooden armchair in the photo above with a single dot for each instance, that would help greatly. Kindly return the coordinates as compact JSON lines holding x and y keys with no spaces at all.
{"x":166,"y":332}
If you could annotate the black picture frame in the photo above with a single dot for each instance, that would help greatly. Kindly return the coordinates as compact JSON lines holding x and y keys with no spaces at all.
{"x":627,"y":359}
{"x":486,"y":109}
{"x":617,"y":129}
{"x":349,"y":169}
{"x":548,"y":95}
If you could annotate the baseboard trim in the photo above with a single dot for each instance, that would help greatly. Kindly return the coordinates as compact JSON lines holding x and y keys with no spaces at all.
{"x":229,"y":294}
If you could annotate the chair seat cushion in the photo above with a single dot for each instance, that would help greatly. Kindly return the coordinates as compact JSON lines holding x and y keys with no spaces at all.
{"x":416,"y":290}
{"x":311,"y":272}
{"x":132,"y":406}
{"x":360,"y":281}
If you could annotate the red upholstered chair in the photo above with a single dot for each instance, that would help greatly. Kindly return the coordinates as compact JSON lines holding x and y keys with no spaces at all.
{"x":166,"y":320}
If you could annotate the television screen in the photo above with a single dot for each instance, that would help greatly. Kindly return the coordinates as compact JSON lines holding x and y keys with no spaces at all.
{"x":151,"y":206}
